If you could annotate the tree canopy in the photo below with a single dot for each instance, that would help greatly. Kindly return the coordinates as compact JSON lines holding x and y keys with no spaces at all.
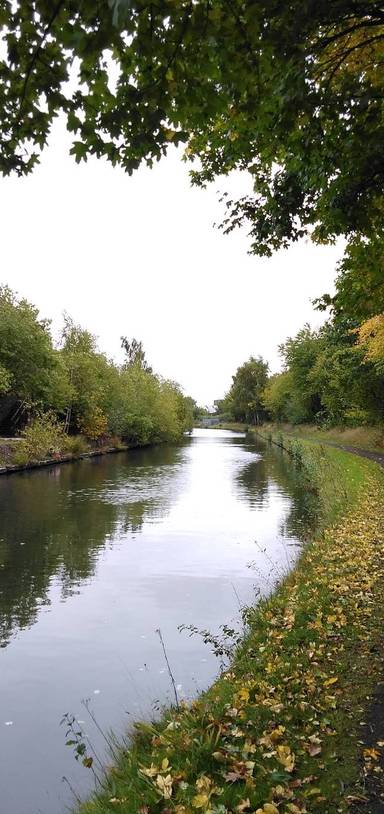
{"x":291,"y":92}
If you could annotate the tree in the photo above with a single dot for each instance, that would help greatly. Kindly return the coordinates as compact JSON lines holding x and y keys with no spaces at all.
{"x":149,"y":409}
{"x":245,"y":395}
{"x":291,"y":92}
{"x":276,"y":396}
{"x":77,"y":388}
{"x":135,"y":354}
{"x":92,"y":377}
{"x":371,"y":339}
{"x":359,"y":283}
{"x":29,"y":365}
{"x":191,"y":411}
{"x":5,"y":380}
{"x":299,"y":355}
{"x":329,"y":378}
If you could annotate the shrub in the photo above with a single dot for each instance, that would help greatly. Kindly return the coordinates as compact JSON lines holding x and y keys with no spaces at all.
{"x":44,"y":437}
{"x":94,"y":424}
{"x":357,"y":417}
{"x":76,"y":444}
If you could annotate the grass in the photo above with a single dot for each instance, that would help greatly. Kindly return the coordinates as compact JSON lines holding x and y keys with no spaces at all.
{"x":368,"y":438}
{"x":279,"y":731}
{"x":336,"y":476}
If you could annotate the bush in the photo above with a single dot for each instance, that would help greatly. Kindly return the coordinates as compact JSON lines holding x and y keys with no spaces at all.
{"x":138,"y":429}
{"x":356,"y":417}
{"x":44,"y":437}
{"x":94,"y":424}
{"x":76,"y":444}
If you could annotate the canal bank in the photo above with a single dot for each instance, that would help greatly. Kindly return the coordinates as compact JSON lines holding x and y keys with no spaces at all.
{"x":10,"y":469}
{"x":280,"y":731}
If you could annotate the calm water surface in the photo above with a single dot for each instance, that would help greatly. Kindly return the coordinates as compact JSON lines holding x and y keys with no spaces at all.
{"x":94,"y":556}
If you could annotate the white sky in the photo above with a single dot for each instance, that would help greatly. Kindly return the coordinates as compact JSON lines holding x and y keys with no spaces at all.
{"x":139,"y":256}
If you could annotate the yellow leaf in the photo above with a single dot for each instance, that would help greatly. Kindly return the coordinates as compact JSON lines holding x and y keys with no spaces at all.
{"x":286,"y":757}
{"x":312,"y":792}
{"x":243,"y":695}
{"x":330,"y":681}
{"x":277,"y":733}
{"x":203,"y":783}
{"x":200,"y":801}
{"x":371,"y":753}
{"x":152,"y":771}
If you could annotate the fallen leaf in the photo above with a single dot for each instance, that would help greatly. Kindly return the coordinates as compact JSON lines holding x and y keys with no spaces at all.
{"x":330,"y":681}
{"x":200,"y":801}
{"x":371,"y":754}
{"x":286,"y":757}
{"x":243,"y":805}
{"x":313,"y":749}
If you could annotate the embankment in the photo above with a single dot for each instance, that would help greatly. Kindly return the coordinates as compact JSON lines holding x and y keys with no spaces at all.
{"x":11,"y":468}
{"x":280,"y":732}
{"x":349,"y":438}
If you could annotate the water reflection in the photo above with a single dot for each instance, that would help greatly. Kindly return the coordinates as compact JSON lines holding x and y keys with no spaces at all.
{"x":94,"y":556}
{"x":274,"y":468}
{"x":55,"y":521}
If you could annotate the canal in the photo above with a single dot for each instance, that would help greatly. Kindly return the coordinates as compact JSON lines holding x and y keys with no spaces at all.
{"x":98,"y":554}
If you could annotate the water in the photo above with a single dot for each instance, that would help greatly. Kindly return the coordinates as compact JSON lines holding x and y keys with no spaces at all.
{"x":94,"y":556}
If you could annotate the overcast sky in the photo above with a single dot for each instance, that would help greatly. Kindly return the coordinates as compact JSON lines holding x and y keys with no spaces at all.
{"x":139,"y":256}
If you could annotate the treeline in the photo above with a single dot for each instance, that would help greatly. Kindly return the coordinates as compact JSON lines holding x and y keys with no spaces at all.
{"x":75,"y":389}
{"x":331,"y":376}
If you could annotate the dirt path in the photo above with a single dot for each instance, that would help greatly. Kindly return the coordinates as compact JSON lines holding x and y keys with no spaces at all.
{"x":364,"y":453}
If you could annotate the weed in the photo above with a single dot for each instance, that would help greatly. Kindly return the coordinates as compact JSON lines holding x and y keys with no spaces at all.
{"x":173,"y":682}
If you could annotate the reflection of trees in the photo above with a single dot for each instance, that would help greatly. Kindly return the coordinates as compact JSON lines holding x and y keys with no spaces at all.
{"x":254,"y":480}
{"x":55,"y":522}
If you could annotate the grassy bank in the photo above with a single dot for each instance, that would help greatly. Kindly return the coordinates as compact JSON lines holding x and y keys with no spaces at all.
{"x":13,"y":457}
{"x":370,"y":438}
{"x":279,"y":731}
{"x":335,"y":476}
